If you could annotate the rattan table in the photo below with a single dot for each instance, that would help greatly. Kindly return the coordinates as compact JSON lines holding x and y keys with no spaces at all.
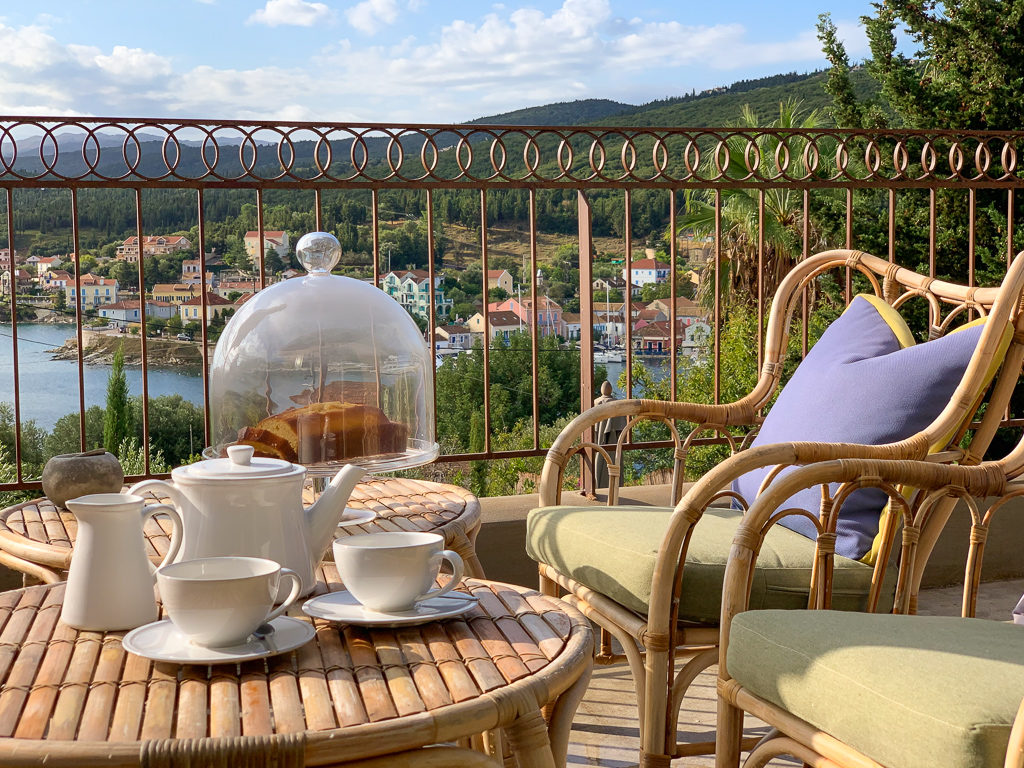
{"x":36,"y":537}
{"x":78,"y":698}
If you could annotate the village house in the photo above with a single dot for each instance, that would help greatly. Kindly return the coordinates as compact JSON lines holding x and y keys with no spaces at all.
{"x":42,"y":264}
{"x":548,"y":311}
{"x":125,"y":313}
{"x":226,"y":287}
{"x":55,"y":280}
{"x":500,"y":278}
{"x":411,"y":289}
{"x":453,"y":337}
{"x":152,"y":245}
{"x":684,"y":307}
{"x":22,"y":277}
{"x":192,"y":310}
{"x":190,"y":273}
{"x":96,"y":291}
{"x":174,"y":293}
{"x":273,"y":240}
{"x":655,"y":338}
{"x":571,"y":325}
{"x":5,"y":258}
{"x":616,"y":283}
{"x":646,"y":271}
{"x":500,"y":324}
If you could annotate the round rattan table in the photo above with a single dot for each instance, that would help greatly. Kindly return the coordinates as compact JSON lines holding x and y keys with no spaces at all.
{"x":70,"y":698}
{"x":36,"y":537}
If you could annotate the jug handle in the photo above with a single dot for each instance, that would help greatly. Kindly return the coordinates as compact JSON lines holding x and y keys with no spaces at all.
{"x":154,"y":485}
{"x":151,"y":509}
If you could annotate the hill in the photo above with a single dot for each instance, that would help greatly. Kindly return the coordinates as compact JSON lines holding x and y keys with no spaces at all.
{"x":721,"y":107}
{"x":560,"y":113}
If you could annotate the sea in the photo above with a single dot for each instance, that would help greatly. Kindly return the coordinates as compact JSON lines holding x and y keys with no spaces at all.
{"x":49,"y":388}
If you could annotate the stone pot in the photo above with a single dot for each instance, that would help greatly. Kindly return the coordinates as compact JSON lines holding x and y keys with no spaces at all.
{"x":77,"y":474}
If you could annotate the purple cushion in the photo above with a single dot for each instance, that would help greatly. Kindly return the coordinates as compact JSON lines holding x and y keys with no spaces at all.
{"x":857,"y":385}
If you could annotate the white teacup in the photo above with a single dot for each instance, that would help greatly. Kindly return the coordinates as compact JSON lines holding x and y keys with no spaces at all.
{"x":220,"y":601}
{"x":391,"y":572}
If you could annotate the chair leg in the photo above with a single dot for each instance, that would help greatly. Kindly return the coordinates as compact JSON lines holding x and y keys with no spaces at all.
{"x":729,"y":734}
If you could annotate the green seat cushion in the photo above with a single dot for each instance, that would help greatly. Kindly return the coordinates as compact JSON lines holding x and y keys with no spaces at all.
{"x":613,"y":550}
{"x":907,"y":691}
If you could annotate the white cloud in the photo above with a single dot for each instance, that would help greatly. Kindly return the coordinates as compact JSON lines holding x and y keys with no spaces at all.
{"x":133,"y":64}
{"x":297,"y":13}
{"x":370,"y":15}
{"x":506,"y":58}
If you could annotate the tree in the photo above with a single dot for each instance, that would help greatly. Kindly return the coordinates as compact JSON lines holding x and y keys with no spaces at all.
{"x":783,"y":207}
{"x":126,"y":274}
{"x":65,"y":437}
{"x":175,"y":427}
{"x":117,"y":416}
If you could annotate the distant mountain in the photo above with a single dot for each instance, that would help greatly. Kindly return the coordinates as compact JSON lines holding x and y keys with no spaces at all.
{"x":721,"y":106}
{"x":714,"y":107}
{"x":561,"y":113}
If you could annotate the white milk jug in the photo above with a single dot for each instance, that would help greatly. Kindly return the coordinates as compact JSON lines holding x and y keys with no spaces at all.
{"x":110,"y":581}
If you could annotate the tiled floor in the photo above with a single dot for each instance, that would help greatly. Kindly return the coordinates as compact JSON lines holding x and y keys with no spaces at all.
{"x":605,"y":730}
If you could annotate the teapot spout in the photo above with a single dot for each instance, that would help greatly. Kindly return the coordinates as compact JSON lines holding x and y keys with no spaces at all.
{"x":323,"y":516}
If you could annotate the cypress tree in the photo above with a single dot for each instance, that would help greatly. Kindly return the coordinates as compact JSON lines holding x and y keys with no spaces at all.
{"x":117,"y":416}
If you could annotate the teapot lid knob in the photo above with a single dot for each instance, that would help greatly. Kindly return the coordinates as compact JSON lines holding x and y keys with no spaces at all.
{"x":241,"y":454}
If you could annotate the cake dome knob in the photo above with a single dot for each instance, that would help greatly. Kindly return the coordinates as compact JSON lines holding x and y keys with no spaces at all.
{"x":318,"y":251}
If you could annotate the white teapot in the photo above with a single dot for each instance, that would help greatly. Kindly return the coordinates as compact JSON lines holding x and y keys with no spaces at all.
{"x":252,"y":506}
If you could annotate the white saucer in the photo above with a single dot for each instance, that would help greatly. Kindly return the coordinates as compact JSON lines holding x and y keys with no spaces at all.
{"x":345,"y":609}
{"x":356,"y":517}
{"x":162,"y":641}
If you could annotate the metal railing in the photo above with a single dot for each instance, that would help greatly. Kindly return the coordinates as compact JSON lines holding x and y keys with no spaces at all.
{"x":579,"y":166}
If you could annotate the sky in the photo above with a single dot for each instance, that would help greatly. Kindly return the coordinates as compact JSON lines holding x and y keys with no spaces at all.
{"x":401,"y":61}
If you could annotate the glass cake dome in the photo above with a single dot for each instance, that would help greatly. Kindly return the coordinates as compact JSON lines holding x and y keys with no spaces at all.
{"x":324,"y":370}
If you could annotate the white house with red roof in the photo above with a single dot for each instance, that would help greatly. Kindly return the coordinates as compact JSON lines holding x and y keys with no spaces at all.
{"x":192,"y":310}
{"x":42,"y":264}
{"x":123,"y":313}
{"x":273,"y":239}
{"x":647,"y":271}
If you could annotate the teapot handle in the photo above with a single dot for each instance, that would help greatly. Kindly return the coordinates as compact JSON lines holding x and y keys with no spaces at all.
{"x":151,"y":509}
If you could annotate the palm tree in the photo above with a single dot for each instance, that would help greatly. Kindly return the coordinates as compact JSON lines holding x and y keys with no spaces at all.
{"x":783,"y":207}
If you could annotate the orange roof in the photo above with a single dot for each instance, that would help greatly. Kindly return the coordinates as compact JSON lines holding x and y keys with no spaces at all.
{"x":212,"y":299}
{"x":649,"y":264}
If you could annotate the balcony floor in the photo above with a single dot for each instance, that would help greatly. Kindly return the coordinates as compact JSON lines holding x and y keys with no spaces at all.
{"x":605,"y":731}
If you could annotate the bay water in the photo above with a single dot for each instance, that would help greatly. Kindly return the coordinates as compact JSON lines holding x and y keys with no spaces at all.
{"x":49,"y":388}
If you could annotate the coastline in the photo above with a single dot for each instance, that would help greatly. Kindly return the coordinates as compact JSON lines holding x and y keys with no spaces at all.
{"x":99,"y":349}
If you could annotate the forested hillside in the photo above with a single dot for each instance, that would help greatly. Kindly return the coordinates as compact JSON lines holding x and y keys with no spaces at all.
{"x":42,"y":217}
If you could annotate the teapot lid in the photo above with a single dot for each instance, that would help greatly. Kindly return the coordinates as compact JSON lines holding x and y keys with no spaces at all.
{"x":241,"y":463}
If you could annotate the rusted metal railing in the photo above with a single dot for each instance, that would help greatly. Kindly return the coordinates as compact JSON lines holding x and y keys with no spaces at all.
{"x":208,"y":156}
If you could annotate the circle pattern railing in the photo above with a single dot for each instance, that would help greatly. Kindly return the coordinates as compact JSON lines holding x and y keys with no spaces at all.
{"x":187,"y":153}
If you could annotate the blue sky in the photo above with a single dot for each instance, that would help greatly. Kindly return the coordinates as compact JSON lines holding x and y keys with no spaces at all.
{"x":390,"y":60}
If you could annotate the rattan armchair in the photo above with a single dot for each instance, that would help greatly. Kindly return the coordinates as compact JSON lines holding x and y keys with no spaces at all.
{"x":647,"y":603}
{"x":859,"y":690}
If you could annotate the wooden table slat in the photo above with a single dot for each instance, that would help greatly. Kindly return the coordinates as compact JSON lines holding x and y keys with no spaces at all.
{"x":353,"y":692}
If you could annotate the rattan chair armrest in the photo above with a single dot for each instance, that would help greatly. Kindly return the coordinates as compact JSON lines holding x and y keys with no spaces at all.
{"x":740,"y":413}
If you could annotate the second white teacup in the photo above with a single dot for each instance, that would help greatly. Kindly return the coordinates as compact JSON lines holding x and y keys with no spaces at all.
{"x":220,"y":601}
{"x":392,"y":571}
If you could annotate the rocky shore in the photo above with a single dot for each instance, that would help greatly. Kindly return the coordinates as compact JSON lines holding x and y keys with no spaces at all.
{"x":160,"y":353}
